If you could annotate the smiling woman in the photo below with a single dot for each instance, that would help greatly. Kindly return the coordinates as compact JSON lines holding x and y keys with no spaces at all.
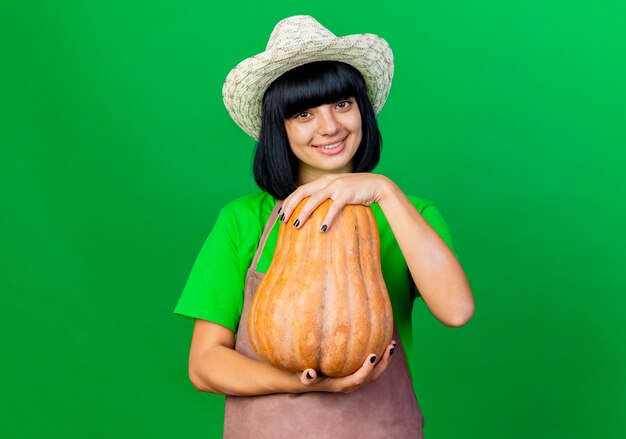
{"x":312,"y":106}
{"x":311,"y":101}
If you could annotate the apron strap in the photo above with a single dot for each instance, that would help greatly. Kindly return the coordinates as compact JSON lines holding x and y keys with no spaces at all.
{"x":266,"y":232}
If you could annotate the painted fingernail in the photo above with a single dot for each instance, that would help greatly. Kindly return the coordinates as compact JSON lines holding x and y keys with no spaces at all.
{"x":324,"y":228}
{"x":296,"y":223}
{"x":282,"y":217}
{"x":308,"y":376}
{"x":279,"y":210}
{"x":373,"y":359}
{"x":391,"y":351}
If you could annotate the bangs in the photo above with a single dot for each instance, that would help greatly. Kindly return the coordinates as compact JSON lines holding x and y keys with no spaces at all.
{"x":314,"y":84}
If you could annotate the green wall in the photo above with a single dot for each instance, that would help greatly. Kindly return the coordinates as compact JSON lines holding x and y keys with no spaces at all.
{"x":117,"y":154}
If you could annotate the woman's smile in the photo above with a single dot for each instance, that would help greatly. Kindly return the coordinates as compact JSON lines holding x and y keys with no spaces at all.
{"x":332,"y":148}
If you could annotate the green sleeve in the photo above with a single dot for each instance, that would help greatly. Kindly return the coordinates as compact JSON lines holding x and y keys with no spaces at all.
{"x":214,"y":289}
{"x":433,"y":217}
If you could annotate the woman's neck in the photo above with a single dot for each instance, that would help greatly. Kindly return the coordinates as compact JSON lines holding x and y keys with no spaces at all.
{"x":307,"y":174}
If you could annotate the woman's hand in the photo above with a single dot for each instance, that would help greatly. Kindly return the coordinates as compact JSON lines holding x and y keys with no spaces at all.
{"x":369,"y":372}
{"x":354,"y":188}
{"x":437,"y":273}
{"x":214,"y":366}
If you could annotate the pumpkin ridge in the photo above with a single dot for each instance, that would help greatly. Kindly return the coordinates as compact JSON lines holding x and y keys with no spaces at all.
{"x":381,"y":280}
{"x":355,"y":341}
{"x":386,"y":325}
{"x":381,"y":298}
{"x":281,"y":334}
{"x":347,"y":309}
{"x":361,"y":242}
{"x":371,"y":344}
{"x":317,"y":306}
{"x":323,"y":316}
{"x":335,"y":348}
{"x":284,"y":342}
{"x":372,"y":274}
{"x":302,"y":330}
{"x":290,"y":334}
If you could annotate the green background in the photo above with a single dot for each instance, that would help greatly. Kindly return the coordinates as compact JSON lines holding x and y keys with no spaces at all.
{"x":117,"y":153}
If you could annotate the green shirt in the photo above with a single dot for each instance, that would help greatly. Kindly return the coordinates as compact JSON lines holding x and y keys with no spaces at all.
{"x":214,"y":289}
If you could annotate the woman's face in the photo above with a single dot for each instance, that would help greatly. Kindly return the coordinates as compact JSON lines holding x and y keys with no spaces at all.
{"x":325,"y":138}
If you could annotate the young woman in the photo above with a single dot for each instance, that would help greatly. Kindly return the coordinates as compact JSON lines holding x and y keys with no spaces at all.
{"x":311,"y":101}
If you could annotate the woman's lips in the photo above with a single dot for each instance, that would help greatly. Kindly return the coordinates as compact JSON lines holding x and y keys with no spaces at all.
{"x":332,"y":148}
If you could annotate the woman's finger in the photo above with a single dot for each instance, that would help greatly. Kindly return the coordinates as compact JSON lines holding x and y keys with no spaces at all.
{"x":341,"y":188}
{"x":308,"y":377}
{"x":382,"y":365}
{"x":313,"y":188}
{"x":333,"y":211}
{"x":318,"y":193}
{"x":287,"y":208}
{"x":370,"y":371}
{"x":291,"y":202}
{"x":360,"y":376}
{"x":311,"y":205}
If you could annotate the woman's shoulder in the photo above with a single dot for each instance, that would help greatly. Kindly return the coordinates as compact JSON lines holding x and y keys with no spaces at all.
{"x":420,"y":203}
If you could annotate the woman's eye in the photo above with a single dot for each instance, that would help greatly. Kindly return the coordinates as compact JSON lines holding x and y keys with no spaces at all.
{"x":344,"y":104}
{"x":301,"y":115}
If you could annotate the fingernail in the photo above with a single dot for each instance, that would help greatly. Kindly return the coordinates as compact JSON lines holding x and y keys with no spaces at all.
{"x":282,"y":217}
{"x":373,"y":359}
{"x":296,"y":223}
{"x":308,"y":376}
{"x":279,"y":209}
{"x":391,"y":351}
{"x":324,"y":228}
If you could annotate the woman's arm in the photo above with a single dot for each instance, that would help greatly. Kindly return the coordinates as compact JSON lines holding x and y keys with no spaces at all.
{"x":214,"y":366}
{"x":436,"y":272}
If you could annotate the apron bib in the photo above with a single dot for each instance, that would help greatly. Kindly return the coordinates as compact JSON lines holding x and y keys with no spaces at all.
{"x":386,"y":408}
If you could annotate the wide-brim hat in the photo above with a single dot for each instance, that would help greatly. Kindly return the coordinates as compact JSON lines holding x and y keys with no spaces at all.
{"x":301,"y":40}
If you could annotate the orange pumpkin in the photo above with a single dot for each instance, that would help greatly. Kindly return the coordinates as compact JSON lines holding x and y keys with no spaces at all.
{"x":323,"y":303}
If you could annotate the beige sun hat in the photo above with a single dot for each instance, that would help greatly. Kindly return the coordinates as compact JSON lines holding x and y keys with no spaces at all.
{"x":301,"y":40}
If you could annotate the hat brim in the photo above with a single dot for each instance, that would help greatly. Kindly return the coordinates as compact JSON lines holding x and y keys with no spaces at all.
{"x":246,"y":84}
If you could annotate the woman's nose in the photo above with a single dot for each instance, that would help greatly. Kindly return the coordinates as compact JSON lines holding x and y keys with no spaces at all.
{"x":328,"y":124}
